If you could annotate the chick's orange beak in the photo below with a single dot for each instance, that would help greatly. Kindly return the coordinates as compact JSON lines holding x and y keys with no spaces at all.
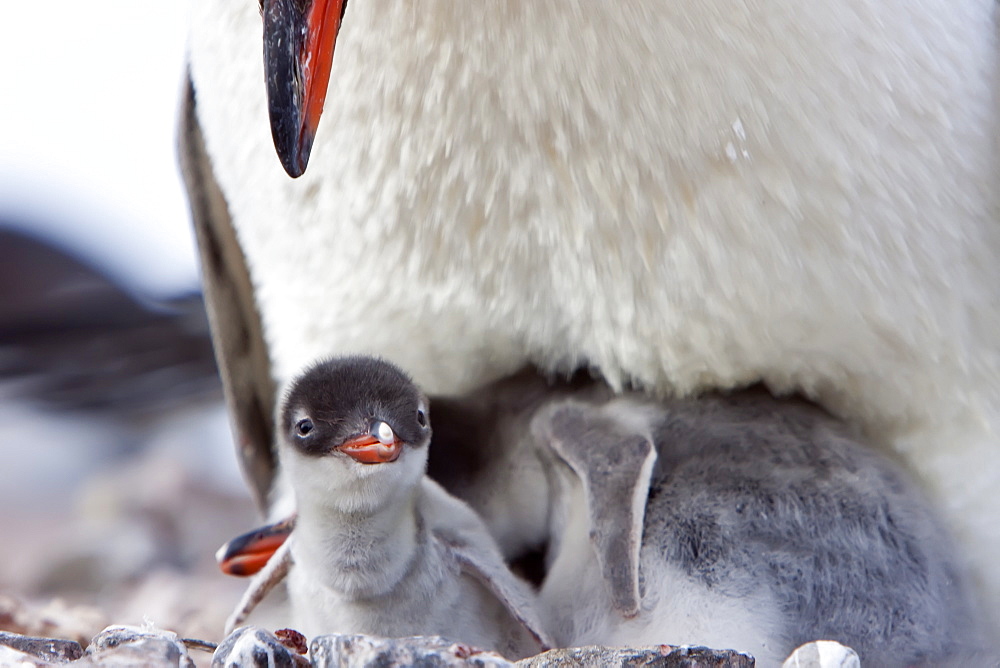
{"x":369,"y":450}
{"x":299,"y":41}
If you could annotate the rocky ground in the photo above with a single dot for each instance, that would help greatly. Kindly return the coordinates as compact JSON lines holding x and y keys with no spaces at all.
{"x":146,"y":646}
{"x":102,"y":534}
{"x":133,"y":646}
{"x":133,"y":545}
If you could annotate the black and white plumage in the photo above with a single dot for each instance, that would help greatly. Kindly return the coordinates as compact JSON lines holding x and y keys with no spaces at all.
{"x":377,"y":547}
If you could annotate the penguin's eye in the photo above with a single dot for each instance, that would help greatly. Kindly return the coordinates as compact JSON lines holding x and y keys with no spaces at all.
{"x":421,"y":417}
{"x":303,"y":427}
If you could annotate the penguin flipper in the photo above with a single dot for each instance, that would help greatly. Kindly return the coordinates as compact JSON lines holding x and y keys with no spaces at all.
{"x":234,"y":319}
{"x":613,"y":458}
{"x":484,"y":563}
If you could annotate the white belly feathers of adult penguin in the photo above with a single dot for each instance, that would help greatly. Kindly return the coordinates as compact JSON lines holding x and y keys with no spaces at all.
{"x":377,"y":547}
{"x":684,"y":195}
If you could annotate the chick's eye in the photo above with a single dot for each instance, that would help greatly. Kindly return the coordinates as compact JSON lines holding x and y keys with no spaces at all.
{"x":421,"y":417}
{"x":303,"y":427}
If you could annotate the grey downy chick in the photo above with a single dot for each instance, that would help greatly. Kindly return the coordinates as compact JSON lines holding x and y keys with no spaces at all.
{"x":377,"y":547}
{"x":739,"y":521}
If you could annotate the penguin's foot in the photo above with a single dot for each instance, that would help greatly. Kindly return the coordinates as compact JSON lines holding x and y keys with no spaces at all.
{"x":247,"y":554}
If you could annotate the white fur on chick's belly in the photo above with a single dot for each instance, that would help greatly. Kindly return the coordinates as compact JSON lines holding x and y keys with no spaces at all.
{"x":695,"y":194}
{"x":675,"y":608}
{"x":457,"y":608}
{"x":686,"y":613}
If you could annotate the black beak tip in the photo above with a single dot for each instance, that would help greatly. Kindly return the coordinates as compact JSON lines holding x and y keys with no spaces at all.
{"x":292,"y":144}
{"x":295,"y":164}
{"x":284,"y":42}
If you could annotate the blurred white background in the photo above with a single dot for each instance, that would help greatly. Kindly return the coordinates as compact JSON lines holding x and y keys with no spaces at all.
{"x":89,"y":96}
{"x":114,"y":496}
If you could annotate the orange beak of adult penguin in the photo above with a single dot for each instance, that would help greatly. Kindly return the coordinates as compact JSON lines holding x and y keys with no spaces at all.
{"x":299,"y":39}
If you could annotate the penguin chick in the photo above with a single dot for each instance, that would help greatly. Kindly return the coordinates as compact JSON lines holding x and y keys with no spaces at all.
{"x":741,"y":521}
{"x":377,"y":547}
{"x":759,"y":518}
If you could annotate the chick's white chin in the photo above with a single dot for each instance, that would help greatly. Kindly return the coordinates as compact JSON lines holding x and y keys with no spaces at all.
{"x":337,"y":482}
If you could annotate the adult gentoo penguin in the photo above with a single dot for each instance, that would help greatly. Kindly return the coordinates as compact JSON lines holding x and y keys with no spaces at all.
{"x":377,"y":546}
{"x":683,"y":195}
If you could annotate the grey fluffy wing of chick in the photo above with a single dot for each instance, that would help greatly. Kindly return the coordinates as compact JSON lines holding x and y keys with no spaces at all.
{"x":612,"y":453}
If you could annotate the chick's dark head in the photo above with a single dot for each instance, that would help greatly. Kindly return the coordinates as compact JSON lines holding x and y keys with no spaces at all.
{"x":357,"y":399}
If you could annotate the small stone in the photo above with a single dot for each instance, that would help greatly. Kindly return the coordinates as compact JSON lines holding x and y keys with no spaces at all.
{"x":293,"y":640}
{"x":823,"y":654}
{"x":134,"y":646}
{"x":362,"y":651}
{"x":12,"y":657}
{"x":48,"y":649}
{"x":200,"y":645}
{"x":658,"y":656}
{"x":250,"y":647}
